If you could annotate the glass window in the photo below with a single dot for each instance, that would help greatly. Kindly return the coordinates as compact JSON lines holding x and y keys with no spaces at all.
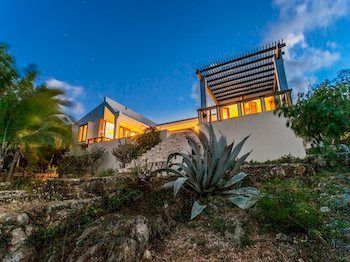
{"x":229,"y":111}
{"x":225,"y":113}
{"x":82,"y":133}
{"x":252,"y":107}
{"x":109,"y":130}
{"x":270,"y":103}
{"x":124,"y":132}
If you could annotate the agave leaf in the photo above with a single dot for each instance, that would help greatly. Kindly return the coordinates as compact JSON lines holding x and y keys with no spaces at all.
{"x":169,"y":170}
{"x":242,"y":201}
{"x":235,"y":179}
{"x":178,"y":184}
{"x":197,"y":209}
{"x":239,"y":163}
{"x":247,"y":191}
{"x":203,"y":139}
{"x":237,"y":150}
{"x":221,"y":167}
{"x":168,"y":185}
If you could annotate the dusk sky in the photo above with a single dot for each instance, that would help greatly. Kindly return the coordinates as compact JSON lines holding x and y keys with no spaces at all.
{"x":144,"y":54}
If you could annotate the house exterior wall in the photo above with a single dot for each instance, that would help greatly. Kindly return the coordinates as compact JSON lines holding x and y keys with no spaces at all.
{"x":269,"y":139}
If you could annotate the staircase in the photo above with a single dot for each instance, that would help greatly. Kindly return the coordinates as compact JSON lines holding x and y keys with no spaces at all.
{"x":157,"y":156}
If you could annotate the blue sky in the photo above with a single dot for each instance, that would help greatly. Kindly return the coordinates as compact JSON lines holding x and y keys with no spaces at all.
{"x":144,"y":53}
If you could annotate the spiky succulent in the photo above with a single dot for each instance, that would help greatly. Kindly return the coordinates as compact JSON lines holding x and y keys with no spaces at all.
{"x":211,"y":168}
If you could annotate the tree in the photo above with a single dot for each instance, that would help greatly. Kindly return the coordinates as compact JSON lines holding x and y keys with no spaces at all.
{"x":322,"y":115}
{"x":31,"y":116}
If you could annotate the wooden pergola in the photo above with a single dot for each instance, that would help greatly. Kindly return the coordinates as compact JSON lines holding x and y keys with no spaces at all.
{"x":253,"y":74}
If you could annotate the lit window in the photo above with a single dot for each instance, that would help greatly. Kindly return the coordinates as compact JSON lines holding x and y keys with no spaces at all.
{"x":105,"y":129}
{"x":125,"y":132}
{"x":269,"y":103}
{"x":82,"y":133}
{"x":252,"y":107}
{"x":229,"y":111}
{"x":225,"y":113}
{"x":109,"y":130}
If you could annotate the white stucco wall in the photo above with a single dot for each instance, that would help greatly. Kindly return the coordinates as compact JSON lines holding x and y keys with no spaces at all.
{"x":269,"y":137}
{"x":109,"y":161}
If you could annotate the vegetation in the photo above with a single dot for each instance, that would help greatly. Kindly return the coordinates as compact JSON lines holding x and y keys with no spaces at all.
{"x":31,"y":117}
{"x":286,"y":206}
{"x":322,"y":115}
{"x":108,"y":172}
{"x":128,"y":150}
{"x":85,"y":163}
{"x":125,"y":152}
{"x":212,"y":171}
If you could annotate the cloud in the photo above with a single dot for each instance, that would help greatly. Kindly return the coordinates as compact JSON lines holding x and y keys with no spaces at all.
{"x":195,"y":93}
{"x":296,"y":19}
{"x":72,"y":94}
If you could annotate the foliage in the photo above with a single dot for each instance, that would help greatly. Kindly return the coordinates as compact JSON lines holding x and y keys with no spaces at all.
{"x":147,"y":140}
{"x":286,"y":205}
{"x":125,"y":152}
{"x":122,"y":197}
{"x":31,"y":117}
{"x":128,"y":150}
{"x":108,"y":172}
{"x":86,"y":163}
{"x":212,"y":171}
{"x":322,"y":115}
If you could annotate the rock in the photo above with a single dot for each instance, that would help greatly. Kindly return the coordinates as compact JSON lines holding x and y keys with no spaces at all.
{"x":281,"y":237}
{"x":278,"y":171}
{"x":128,"y":250}
{"x":140,"y":231}
{"x":23,"y":219}
{"x":28,"y":230}
{"x":147,"y":256}
{"x":325,"y":209}
{"x":23,"y":253}
{"x":346,"y":237}
{"x":300,"y":170}
{"x":18,"y":236}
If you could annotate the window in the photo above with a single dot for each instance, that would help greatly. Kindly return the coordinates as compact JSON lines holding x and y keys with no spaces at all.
{"x":105,"y":129}
{"x":82,"y":133}
{"x":229,"y":111}
{"x":252,"y":107}
{"x":126,"y":132}
{"x":270,"y":103}
{"x":225,"y":113}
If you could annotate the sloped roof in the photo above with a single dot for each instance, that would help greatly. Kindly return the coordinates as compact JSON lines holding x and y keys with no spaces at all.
{"x":117,"y":107}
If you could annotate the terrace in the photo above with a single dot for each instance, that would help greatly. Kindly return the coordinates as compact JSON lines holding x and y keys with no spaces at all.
{"x":251,"y":83}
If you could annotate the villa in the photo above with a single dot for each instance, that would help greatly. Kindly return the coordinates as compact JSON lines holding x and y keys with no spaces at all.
{"x":237,"y":96}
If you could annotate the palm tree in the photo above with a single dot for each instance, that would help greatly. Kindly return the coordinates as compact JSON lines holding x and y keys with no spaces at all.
{"x":31,"y":117}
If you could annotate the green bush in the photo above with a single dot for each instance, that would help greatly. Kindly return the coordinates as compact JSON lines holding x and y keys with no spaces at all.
{"x":286,"y":205}
{"x":86,"y":163}
{"x":322,"y":115}
{"x":147,"y":140}
{"x":122,"y":197}
{"x":128,"y":150}
{"x":108,"y":172}
{"x":125,"y":152}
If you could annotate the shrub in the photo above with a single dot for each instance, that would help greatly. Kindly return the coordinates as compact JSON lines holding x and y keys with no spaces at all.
{"x":86,"y":163}
{"x":211,"y":171}
{"x":108,"y":172}
{"x":147,"y":140}
{"x":286,"y":205}
{"x":322,"y":115}
{"x":122,"y":197}
{"x":125,"y":152}
{"x":128,"y":150}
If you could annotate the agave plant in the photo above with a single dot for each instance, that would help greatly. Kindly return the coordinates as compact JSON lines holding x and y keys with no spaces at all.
{"x":211,"y":169}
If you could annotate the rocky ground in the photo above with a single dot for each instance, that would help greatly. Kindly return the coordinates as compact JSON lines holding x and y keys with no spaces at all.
{"x":122,"y":219}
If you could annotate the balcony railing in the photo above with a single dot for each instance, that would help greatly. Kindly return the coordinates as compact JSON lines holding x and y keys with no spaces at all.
{"x":97,"y":140}
{"x":215,"y":113}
